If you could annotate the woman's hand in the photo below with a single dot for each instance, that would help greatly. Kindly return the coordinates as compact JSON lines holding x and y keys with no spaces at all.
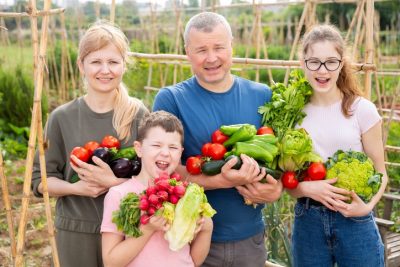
{"x":99,"y":174}
{"x":356,"y":208}
{"x":83,"y":188}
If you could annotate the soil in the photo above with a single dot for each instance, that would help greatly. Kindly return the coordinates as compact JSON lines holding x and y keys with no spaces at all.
{"x":37,"y":248}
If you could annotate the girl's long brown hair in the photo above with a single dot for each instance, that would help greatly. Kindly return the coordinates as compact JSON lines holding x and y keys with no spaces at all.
{"x":347,"y":82}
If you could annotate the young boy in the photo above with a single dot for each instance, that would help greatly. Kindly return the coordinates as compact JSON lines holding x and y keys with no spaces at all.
{"x":159,"y":144}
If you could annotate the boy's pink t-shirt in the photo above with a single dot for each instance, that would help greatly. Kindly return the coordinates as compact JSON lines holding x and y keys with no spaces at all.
{"x":330,"y":130}
{"x":156,"y":252}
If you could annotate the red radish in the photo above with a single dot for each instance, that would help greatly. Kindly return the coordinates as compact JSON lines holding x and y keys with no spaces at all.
{"x":143,"y":196}
{"x":151,"y":190}
{"x":176,"y":176}
{"x":173,"y":199}
{"x":162,"y":185}
{"x":144,"y":204}
{"x":153,"y":199}
{"x":144,"y":219}
{"x":163,"y":195}
{"x":151,"y":210}
{"x":158,"y":206}
{"x":179,"y":190}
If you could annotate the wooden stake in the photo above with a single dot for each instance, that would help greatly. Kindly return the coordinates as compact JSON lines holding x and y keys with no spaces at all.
{"x":32,"y":139}
{"x":369,"y":45}
{"x":7,"y":206}
{"x":49,"y":217}
{"x":112,"y":11}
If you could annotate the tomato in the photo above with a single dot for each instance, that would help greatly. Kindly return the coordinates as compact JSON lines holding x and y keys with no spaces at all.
{"x":289,"y":180}
{"x":265,"y":130}
{"x":91,"y":146}
{"x":81,"y":153}
{"x":307,"y":179}
{"x":214,"y":150}
{"x":205,"y":148}
{"x":193,"y":165}
{"x":316,"y":171}
{"x":110,"y":141}
{"x":218,"y":137}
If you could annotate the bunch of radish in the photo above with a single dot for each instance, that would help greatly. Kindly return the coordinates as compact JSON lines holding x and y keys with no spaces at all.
{"x":165,"y":189}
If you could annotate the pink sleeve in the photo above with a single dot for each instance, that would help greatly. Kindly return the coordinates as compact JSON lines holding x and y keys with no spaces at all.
{"x":367,"y":115}
{"x":111,"y":203}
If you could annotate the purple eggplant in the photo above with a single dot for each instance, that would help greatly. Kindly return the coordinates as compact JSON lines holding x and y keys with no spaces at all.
{"x":136,"y":167}
{"x":121,"y":167}
{"x":103,"y":153}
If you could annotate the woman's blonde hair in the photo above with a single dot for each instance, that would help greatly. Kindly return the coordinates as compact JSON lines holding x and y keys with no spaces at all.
{"x":347,"y":82}
{"x":100,"y":35}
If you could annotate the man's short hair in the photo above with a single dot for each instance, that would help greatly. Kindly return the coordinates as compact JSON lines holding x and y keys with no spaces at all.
{"x":206,"y":22}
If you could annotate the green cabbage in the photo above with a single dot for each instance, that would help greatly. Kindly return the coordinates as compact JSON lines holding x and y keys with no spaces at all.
{"x":295,"y":150}
{"x":188,"y":210}
{"x":355,"y":171}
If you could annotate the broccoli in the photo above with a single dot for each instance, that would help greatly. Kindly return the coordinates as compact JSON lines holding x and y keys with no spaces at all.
{"x":355,"y":171}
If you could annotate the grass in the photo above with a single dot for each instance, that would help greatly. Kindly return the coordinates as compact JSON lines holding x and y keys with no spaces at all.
{"x":11,"y":54}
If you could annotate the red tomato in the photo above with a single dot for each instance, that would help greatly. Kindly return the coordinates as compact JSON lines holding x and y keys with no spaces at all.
{"x":205,"y":148}
{"x":81,"y":153}
{"x":218,"y":137}
{"x":214,"y":150}
{"x":193,"y":165}
{"x":110,"y":141}
{"x":307,"y":179}
{"x":91,"y":146}
{"x":289,"y":180}
{"x":316,"y":171}
{"x":265,"y":130}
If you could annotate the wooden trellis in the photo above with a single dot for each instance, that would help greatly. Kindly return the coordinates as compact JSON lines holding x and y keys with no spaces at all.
{"x":36,"y":134}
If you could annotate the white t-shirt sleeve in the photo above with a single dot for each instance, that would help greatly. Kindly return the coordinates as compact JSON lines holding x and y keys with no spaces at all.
{"x":367,"y":114}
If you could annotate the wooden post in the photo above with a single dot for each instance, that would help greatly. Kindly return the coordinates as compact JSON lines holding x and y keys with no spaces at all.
{"x":112,"y":11}
{"x":307,"y":6}
{"x":32,"y":138}
{"x":7,"y":206}
{"x":97,"y":9}
{"x":369,"y":45}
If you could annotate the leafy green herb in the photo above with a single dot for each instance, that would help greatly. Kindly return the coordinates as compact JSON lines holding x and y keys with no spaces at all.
{"x":127,"y":218}
{"x":285,"y":109}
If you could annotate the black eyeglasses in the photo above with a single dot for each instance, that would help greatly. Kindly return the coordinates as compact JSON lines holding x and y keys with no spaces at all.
{"x":330,"y":64}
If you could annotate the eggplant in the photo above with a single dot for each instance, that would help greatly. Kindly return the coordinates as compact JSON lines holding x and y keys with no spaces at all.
{"x":103,"y":153}
{"x":121,"y":167}
{"x":136,"y":166}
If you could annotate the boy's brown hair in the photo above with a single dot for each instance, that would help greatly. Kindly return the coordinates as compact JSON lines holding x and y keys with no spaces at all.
{"x":163,"y":119}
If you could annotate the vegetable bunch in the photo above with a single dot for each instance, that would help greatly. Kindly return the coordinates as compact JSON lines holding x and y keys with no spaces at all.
{"x":355,"y":171}
{"x":285,"y":109}
{"x":123,"y":161}
{"x":180,"y":203}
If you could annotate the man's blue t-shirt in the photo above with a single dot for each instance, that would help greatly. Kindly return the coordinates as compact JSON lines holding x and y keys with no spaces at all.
{"x":202,"y":112}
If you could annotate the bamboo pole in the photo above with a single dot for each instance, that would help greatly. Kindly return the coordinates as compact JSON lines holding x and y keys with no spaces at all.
{"x":245,"y":61}
{"x":7,"y":206}
{"x":369,"y":45}
{"x":297,"y":37}
{"x":29,"y":13}
{"x":353,"y":20}
{"x":112,"y":11}
{"x":392,"y":107}
{"x":97,"y":9}
{"x":64,"y":62}
{"x":32,"y":138}
{"x":49,"y":217}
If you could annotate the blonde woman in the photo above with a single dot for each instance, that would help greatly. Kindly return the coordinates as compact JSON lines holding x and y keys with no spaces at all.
{"x":105,"y":109}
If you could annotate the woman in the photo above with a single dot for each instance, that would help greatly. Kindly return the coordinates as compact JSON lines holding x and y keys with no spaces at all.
{"x":327,"y":229}
{"x":105,"y":109}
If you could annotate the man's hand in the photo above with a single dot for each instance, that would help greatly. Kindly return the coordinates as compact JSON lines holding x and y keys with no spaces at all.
{"x":257,"y":192}
{"x":249,"y":172}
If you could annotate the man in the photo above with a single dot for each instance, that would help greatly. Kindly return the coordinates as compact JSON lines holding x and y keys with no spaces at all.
{"x":211,"y":98}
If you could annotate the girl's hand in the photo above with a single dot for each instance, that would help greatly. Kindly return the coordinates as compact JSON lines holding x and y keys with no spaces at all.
{"x":99,"y":174}
{"x":356,"y":208}
{"x":323,"y":191}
